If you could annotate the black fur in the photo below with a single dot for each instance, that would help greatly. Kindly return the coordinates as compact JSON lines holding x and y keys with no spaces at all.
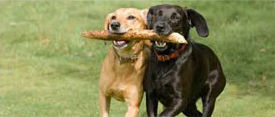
{"x":180,"y":82}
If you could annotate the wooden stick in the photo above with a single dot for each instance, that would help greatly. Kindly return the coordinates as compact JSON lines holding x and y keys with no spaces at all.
{"x":134,"y":35}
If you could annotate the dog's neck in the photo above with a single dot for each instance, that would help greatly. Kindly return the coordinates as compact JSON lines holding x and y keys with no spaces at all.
{"x":129,"y":54}
{"x":174,"y":53}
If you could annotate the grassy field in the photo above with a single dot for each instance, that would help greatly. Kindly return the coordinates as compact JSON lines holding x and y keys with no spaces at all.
{"x":48,"y":70}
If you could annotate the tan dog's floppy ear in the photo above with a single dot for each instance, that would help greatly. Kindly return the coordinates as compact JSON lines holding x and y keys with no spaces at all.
{"x":107,"y":22}
{"x":143,"y":14}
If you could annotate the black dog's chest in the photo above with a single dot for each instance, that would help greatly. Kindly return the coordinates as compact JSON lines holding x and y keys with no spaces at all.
{"x":162,"y":76}
{"x":162,"y":81}
{"x":164,"y":90}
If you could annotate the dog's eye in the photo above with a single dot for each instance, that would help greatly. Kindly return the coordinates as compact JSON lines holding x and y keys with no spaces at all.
{"x":151,"y":12}
{"x":174,"y":16}
{"x":160,"y":13}
{"x":131,"y":17}
{"x":113,"y":17}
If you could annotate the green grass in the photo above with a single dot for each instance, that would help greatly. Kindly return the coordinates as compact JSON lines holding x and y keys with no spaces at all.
{"x":48,"y":70}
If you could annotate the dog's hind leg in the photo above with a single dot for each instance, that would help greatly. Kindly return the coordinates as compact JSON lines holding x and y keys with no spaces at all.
{"x":208,"y":106}
{"x":192,"y":111}
{"x":215,"y":85}
{"x":208,"y":99}
{"x":104,"y":104}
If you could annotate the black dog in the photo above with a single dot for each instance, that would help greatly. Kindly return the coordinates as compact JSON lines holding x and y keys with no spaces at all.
{"x":178,"y":74}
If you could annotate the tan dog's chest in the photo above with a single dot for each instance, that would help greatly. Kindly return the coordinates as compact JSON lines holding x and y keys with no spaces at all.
{"x":120,"y":80}
{"x":120,"y":89}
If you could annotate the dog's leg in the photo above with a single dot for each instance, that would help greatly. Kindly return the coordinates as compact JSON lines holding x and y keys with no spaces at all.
{"x":192,"y":111}
{"x":151,"y":105}
{"x":133,"y":99}
{"x":208,"y":106}
{"x":208,"y":100}
{"x":104,"y":104}
{"x":212,"y":91}
{"x":132,"y":111}
{"x":177,"y":106}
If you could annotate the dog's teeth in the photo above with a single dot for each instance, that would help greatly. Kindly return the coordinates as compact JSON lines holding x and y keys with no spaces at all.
{"x":161,"y":44}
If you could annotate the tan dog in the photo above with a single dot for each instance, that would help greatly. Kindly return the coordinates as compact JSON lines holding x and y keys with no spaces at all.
{"x":123,"y":68}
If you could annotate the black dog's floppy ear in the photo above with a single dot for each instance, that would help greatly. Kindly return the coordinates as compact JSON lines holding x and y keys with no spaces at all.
{"x":149,"y":18}
{"x":199,"y":22}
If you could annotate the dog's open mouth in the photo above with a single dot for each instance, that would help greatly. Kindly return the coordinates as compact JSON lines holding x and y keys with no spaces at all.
{"x":120,"y":44}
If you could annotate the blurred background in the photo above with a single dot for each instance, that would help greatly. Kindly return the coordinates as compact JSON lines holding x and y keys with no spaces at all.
{"x":48,"y":70}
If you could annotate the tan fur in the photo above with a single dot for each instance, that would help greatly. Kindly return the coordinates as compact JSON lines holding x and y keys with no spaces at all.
{"x":124,"y":81}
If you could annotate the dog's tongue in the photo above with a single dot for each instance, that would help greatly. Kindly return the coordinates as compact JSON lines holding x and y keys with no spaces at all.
{"x":120,"y":42}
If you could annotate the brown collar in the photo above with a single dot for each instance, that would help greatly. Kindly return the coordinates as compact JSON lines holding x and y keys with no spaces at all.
{"x":171,"y":56}
{"x":129,"y":59}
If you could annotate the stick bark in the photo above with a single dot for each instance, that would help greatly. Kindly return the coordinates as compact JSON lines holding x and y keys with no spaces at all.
{"x":134,"y":35}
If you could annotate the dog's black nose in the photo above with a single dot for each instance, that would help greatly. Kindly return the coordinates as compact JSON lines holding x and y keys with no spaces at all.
{"x":160,"y":27}
{"x":115,"y":25}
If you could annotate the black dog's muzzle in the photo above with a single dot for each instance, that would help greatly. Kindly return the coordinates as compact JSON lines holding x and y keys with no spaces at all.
{"x":162,"y":28}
